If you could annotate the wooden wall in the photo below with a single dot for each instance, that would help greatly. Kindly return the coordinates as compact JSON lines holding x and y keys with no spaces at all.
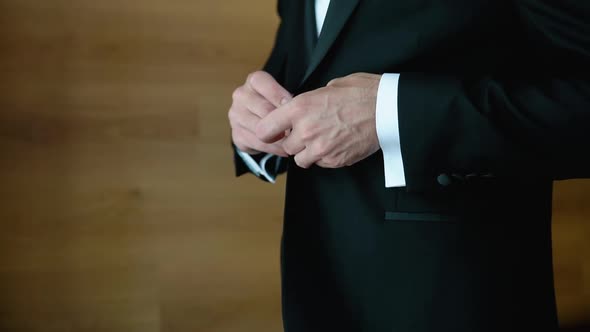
{"x":118,"y":209}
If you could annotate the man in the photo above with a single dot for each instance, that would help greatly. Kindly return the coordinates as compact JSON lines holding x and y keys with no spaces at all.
{"x":420,"y":139}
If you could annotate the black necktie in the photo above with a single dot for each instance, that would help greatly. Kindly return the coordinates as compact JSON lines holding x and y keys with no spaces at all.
{"x":310,"y":29}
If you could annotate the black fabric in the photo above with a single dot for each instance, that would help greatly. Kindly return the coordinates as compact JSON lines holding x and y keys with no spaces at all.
{"x":310,"y":30}
{"x":493,"y":106}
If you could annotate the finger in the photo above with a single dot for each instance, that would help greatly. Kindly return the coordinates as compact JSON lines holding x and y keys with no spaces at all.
{"x":275,"y":124}
{"x":240,"y":143}
{"x":248,"y":150}
{"x":258,"y":105}
{"x":252,"y":101}
{"x":244,"y":119}
{"x":305,"y":159}
{"x":324,"y":164}
{"x":293,"y":144}
{"x":252,"y":142}
{"x":265,"y":85}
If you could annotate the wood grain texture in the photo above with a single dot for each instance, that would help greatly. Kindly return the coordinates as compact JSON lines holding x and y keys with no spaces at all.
{"x":118,"y":208}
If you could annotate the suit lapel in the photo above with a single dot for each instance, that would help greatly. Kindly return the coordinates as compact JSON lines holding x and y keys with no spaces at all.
{"x":338,"y":14}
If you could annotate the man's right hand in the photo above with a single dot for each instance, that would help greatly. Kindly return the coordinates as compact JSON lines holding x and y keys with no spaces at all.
{"x":253,"y":101}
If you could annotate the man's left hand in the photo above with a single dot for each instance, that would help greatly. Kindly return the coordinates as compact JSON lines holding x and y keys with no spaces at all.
{"x":331,"y":127}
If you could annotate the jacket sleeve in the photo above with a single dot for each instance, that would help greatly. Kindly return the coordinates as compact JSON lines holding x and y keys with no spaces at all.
{"x":524,"y":125}
{"x":275,"y":66}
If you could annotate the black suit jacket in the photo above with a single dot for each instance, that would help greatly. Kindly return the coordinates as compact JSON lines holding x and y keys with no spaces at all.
{"x":494,"y":104}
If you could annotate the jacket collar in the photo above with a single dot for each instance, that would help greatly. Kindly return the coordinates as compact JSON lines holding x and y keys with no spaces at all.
{"x":336,"y":19}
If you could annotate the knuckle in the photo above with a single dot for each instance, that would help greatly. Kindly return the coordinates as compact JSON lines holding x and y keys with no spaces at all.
{"x":238,"y":93}
{"x":231,"y":114}
{"x":335,"y":81}
{"x":255,"y":77}
{"x":299,"y":162}
{"x":289,"y":149}
{"x":249,"y":78}
{"x":278,"y":149}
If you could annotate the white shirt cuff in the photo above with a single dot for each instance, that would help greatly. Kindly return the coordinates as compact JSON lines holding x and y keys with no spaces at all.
{"x":259,"y":169}
{"x":388,"y":130}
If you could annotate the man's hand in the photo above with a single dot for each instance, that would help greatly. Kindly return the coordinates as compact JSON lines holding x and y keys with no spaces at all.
{"x":332,"y":127}
{"x":254,"y":100}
